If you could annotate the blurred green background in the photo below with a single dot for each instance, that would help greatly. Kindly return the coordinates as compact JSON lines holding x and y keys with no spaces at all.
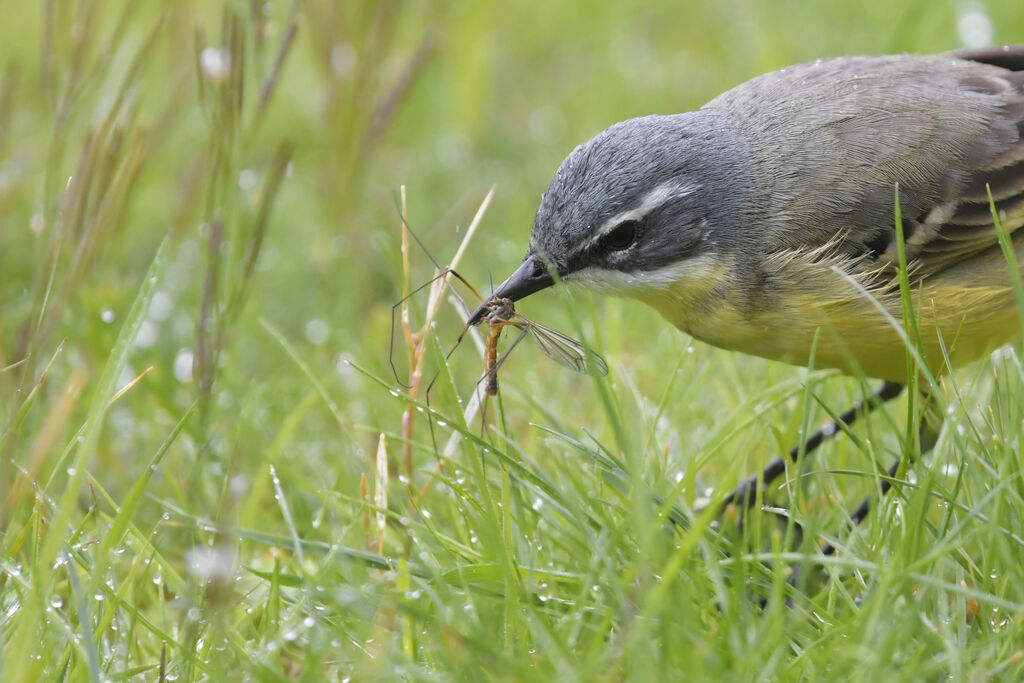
{"x":267,"y":142}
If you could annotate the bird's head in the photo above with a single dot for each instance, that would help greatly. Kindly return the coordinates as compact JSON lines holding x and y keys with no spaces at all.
{"x":631,"y":209}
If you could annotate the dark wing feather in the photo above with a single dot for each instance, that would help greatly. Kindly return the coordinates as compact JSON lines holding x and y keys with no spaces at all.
{"x":1009,"y":57}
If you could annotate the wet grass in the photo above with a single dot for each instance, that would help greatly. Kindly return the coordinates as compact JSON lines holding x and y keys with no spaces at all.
{"x":209,"y":470}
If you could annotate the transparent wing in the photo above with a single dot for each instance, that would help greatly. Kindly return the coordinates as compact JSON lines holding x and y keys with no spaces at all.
{"x":562,"y":349}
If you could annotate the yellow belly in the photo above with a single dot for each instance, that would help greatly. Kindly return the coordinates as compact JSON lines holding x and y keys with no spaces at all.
{"x":970,"y":309}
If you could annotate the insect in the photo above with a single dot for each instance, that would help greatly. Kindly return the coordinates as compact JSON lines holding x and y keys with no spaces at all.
{"x":501,"y":313}
{"x":564,"y":350}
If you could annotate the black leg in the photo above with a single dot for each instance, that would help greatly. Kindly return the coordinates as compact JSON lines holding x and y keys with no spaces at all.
{"x":746,"y":492}
{"x":929,"y":433}
{"x":861,"y":511}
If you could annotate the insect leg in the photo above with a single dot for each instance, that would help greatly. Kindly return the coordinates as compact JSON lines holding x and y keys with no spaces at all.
{"x":394,"y":310}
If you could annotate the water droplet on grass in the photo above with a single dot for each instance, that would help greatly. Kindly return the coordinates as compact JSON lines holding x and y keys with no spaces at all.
{"x":317,"y":331}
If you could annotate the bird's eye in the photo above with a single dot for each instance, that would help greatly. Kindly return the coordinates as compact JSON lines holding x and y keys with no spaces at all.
{"x":621,"y":236}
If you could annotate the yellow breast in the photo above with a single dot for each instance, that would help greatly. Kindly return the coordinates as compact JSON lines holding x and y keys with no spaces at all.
{"x":852,"y":325}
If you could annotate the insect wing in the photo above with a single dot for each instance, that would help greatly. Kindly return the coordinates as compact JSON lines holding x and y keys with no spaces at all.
{"x":563,"y":349}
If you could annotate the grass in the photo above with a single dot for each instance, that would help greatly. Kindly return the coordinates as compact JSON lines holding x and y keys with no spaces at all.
{"x":209,"y":470}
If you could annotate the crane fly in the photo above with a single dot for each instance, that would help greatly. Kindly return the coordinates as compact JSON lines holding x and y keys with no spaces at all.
{"x":497,"y":312}
{"x":501,"y":313}
{"x":562,"y":349}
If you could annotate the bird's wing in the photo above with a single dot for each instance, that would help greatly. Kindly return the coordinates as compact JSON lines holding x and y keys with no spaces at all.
{"x":962,"y":226}
{"x":834,"y":139}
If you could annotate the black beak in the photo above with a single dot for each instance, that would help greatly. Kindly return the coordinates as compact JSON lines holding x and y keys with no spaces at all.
{"x":532,"y":276}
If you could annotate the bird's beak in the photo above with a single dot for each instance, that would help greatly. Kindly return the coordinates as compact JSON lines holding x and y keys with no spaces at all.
{"x":532,"y":276}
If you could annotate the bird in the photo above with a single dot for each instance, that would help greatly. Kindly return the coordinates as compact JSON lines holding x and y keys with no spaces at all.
{"x":765,"y":221}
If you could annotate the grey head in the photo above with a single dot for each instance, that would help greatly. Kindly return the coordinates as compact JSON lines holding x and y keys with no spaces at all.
{"x":641,"y":195}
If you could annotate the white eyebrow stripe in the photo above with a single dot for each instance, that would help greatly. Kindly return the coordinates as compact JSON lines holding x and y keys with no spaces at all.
{"x":667,"y":191}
